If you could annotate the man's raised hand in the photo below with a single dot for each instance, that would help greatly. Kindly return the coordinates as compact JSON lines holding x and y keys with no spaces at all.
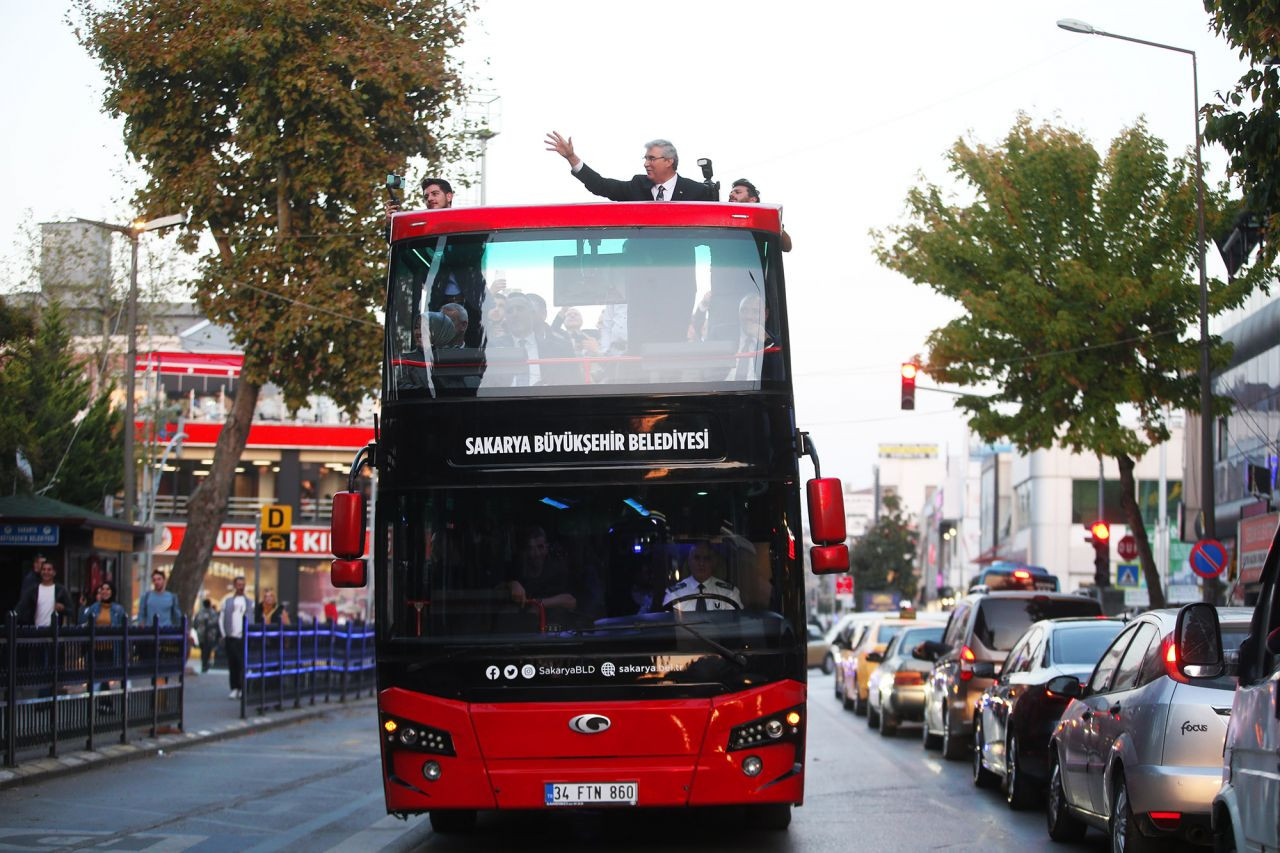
{"x":563,"y":147}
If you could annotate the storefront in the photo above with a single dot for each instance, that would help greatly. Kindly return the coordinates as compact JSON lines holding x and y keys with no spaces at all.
{"x":300,"y":576}
{"x":86,"y":548}
{"x":1254,"y":540}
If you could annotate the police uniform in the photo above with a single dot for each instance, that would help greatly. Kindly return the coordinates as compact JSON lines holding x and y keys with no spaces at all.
{"x":691,"y":587}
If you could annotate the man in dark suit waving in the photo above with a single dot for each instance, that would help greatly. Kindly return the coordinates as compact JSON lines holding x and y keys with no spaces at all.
{"x":659,"y":182}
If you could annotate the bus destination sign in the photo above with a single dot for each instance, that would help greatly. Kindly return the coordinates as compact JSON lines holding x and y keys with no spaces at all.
{"x":675,"y":438}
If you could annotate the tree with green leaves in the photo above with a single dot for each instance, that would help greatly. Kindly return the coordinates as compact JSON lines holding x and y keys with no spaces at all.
{"x":884,"y":556}
{"x":274,"y":124}
{"x":1077,"y":277}
{"x":1246,"y":120}
{"x":69,"y":437}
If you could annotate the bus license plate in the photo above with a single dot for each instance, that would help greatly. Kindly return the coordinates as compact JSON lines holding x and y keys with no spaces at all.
{"x":591,"y":793}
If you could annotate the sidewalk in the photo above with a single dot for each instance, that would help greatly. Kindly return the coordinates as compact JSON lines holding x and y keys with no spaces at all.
{"x":208,"y":716}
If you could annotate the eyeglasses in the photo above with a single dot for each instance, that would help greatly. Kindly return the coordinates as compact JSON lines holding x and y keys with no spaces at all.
{"x":649,"y":158}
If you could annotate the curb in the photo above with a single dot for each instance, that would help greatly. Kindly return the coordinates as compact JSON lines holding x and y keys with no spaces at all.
{"x":43,"y":769}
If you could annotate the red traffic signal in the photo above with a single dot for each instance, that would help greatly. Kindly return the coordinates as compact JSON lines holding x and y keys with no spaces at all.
{"x":909,"y":371}
{"x":1101,"y":531}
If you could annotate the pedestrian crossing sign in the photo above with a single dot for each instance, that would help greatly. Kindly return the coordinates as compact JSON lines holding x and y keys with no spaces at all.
{"x":1127,"y":574}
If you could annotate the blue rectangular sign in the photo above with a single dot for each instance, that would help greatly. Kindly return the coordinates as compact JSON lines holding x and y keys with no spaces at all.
{"x":29,"y":534}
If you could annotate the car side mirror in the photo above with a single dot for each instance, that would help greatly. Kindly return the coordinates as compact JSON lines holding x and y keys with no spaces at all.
{"x":1065,"y":685}
{"x":984,"y":669}
{"x":875,"y":657}
{"x":1198,"y":638}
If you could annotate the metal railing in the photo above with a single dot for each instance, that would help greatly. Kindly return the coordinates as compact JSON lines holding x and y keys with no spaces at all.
{"x":292,"y":662}
{"x":63,"y":684}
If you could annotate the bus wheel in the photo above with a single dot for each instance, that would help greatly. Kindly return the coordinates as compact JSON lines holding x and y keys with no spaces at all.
{"x":454,"y":820}
{"x":771,"y":816}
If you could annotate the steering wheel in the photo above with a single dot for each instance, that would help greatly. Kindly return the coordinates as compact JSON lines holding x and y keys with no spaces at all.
{"x":670,"y":605}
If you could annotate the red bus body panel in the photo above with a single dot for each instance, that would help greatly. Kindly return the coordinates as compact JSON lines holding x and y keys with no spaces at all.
{"x":759,"y":217}
{"x":676,"y":750}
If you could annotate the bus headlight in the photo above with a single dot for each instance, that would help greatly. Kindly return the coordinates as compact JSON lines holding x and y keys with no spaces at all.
{"x":751,"y":765}
{"x":431,"y":771}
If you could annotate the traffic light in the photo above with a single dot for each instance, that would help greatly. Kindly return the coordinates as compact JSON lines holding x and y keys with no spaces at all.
{"x":1100,"y":538}
{"x":909,"y":371}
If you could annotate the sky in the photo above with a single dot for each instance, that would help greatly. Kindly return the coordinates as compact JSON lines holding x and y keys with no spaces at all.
{"x":833,"y":110}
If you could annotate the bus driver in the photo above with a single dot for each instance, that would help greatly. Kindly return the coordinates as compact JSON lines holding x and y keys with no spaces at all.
{"x":700,"y":590}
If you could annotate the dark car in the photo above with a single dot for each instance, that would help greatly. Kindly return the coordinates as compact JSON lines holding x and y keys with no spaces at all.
{"x":1015,"y":716}
{"x":984,"y":626}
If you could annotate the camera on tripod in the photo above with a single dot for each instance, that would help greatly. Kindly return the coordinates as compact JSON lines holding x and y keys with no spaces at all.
{"x":713,"y":186}
{"x":395,"y":183}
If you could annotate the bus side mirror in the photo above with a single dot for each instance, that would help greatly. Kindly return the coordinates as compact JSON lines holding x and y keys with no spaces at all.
{"x":347,"y":538}
{"x":348,"y":574}
{"x":830,"y":554}
{"x":1199,"y":641}
{"x":826,"y":511}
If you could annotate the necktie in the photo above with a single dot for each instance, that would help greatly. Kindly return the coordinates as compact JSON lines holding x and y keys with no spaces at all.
{"x":662,"y":191}
{"x":523,"y":378}
{"x":702,"y":602}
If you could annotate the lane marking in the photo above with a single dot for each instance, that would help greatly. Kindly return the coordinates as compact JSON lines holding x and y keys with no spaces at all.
{"x":377,"y":836}
{"x":284,"y":839}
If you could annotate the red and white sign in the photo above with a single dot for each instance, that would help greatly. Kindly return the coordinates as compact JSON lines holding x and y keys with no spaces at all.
{"x":236,"y":540}
{"x":844,"y":584}
{"x":1127,"y":547}
{"x":1254,"y":537}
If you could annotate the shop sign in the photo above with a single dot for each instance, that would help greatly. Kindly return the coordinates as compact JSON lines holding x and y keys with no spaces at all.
{"x":112,"y":540}
{"x":237,"y":540}
{"x":29,"y":534}
{"x":1255,"y":535}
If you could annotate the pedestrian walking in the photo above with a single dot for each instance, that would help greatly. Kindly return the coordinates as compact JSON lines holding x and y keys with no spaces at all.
{"x":207,"y":633}
{"x":235,"y":608}
{"x":159,"y":605}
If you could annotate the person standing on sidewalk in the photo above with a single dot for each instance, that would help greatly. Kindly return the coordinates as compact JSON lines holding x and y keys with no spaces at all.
{"x":158,"y":604}
{"x":235,"y":607}
{"x":207,"y":632}
{"x":45,"y":601}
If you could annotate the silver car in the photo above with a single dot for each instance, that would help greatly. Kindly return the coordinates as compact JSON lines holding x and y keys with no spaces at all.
{"x":1138,"y":752}
{"x":895,"y":690}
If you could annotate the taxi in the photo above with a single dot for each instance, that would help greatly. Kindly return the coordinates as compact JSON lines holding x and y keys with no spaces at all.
{"x":856,"y":669}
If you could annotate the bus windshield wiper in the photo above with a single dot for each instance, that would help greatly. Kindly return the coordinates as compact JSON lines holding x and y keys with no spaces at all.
{"x":725,"y":652}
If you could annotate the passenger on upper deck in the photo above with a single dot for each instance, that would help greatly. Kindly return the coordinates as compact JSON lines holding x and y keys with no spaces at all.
{"x":523,"y":334}
{"x":437,"y":194}
{"x":745,"y":192}
{"x":659,"y":183}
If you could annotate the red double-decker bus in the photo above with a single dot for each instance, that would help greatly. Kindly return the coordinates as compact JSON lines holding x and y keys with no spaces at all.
{"x":588,"y":577}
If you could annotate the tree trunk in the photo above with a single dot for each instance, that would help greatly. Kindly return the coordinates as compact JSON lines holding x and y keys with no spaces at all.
{"x":1133,"y":512}
{"x":208,"y":504}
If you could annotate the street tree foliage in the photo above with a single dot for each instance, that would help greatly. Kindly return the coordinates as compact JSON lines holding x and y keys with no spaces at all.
{"x":70,"y":438}
{"x":274,"y":124}
{"x":1077,"y":277}
{"x":1246,"y":120}
{"x":883,"y":558}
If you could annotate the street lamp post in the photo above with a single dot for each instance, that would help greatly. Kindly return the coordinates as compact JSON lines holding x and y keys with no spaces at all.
{"x":133,"y":230}
{"x":1206,"y":380}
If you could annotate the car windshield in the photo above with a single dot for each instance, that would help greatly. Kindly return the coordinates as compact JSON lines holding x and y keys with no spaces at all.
{"x":1001,"y":621}
{"x":582,"y":564}
{"x":914,"y":637}
{"x":556,"y":312}
{"x":1083,"y":644}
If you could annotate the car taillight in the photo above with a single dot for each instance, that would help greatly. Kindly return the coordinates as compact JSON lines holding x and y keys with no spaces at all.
{"x":1170,"y":649}
{"x":907,"y":679}
{"x":1165,"y":820}
{"x":1022,"y":575}
{"x":967,"y":657}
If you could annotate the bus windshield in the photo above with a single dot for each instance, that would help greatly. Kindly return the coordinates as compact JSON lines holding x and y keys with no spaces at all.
{"x":604,"y":564}
{"x":571,"y":311}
